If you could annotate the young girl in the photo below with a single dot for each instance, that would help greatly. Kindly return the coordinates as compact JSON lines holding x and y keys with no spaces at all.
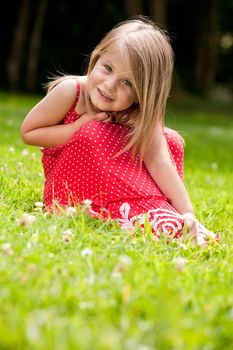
{"x":103,"y":137}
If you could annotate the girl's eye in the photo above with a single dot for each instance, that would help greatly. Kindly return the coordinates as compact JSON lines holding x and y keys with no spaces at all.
{"x":127,"y":83}
{"x":108,"y":68}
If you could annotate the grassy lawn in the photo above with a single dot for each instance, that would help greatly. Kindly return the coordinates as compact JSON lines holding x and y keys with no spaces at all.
{"x":72,"y":282}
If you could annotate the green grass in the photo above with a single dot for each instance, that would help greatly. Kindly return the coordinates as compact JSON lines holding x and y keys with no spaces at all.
{"x":97,"y":287}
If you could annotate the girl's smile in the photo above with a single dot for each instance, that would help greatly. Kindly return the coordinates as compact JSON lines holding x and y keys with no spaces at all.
{"x":109,"y":84}
{"x":104,"y":96}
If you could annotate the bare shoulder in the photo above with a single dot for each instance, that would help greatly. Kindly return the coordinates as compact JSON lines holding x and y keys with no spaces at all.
{"x":66,"y":89}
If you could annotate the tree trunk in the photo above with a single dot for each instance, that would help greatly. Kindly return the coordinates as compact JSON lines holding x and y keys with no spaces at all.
{"x":133,"y":7}
{"x":206,"y":51}
{"x":17,"y":49}
{"x":34,"y":48}
{"x":158,"y":9}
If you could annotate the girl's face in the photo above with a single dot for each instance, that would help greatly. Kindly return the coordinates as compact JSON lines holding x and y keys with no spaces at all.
{"x":109,"y":84}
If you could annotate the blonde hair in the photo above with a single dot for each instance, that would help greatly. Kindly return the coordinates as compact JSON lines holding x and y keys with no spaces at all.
{"x":148,"y":53}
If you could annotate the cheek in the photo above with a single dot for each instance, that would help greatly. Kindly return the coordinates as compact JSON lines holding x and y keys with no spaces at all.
{"x":129,"y":97}
{"x":95,"y":75}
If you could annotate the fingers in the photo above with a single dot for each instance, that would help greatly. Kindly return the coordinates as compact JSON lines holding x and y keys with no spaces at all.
{"x":191,"y":223}
{"x":103,"y":116}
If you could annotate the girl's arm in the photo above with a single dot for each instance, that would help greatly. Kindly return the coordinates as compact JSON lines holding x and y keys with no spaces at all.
{"x":40,"y":127}
{"x":158,"y":163}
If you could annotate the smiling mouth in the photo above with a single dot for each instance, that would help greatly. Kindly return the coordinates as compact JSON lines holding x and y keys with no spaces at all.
{"x":104,"y":96}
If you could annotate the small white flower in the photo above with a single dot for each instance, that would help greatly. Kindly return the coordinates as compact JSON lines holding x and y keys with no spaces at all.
{"x":180,"y":264}
{"x":33,"y":157}
{"x":25,"y":152}
{"x":26,"y":220}
{"x":182,"y":245}
{"x":39,"y":207}
{"x":116,"y":274}
{"x":214,"y":165}
{"x":19,"y":165}
{"x":66,"y":238}
{"x":6,"y":247}
{"x":11,"y":149}
{"x":33,"y":332}
{"x":68,"y":232}
{"x":52,"y":229}
{"x":70,"y":211}
{"x":47,"y":214}
{"x":39,"y":204}
{"x":87,"y":204}
{"x":86,"y":252}
{"x":125,"y":260}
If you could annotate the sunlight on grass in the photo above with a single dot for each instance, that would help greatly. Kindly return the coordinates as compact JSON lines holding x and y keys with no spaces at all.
{"x":72,"y":282}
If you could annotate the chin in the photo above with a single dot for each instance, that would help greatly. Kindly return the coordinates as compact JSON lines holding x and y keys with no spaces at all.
{"x":101,"y":107}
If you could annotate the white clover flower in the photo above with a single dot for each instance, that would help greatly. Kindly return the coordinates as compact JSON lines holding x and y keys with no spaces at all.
{"x":87,"y":204}
{"x":116,"y":274}
{"x":68,"y":232}
{"x":25,"y":152}
{"x":125,"y":260}
{"x":26,"y":220}
{"x":39,"y":207}
{"x":6,"y":247}
{"x":180,"y":264}
{"x":70,"y":211}
{"x":32,"y":332}
{"x":19,"y":165}
{"x":52,"y":229}
{"x":67,"y":235}
{"x":214,"y":165}
{"x":11,"y":149}
{"x":47,"y":214}
{"x":183,"y":246}
{"x":39,"y":204}
{"x":66,"y":238}
{"x":86,"y":252}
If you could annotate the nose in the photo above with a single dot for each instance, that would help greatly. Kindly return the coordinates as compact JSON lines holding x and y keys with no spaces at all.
{"x":111,"y":83}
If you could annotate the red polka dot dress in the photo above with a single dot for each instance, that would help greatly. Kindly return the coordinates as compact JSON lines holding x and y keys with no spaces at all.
{"x":86,"y":168}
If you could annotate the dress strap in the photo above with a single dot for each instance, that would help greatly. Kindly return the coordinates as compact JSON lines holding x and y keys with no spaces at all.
{"x":77,"y":94}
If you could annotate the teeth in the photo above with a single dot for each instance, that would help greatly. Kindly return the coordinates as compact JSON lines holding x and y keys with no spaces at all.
{"x":105,"y":95}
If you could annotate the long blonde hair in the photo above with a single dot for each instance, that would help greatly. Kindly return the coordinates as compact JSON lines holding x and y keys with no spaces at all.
{"x":148,"y":53}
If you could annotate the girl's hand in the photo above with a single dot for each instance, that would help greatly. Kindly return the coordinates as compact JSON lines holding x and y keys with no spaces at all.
{"x":191,"y":223}
{"x":202,"y":235}
{"x":101,"y":116}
